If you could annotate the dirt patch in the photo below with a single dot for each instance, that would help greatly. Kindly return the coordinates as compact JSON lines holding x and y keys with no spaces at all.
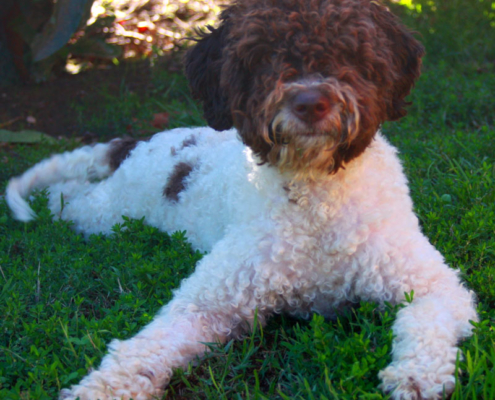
{"x":49,"y":107}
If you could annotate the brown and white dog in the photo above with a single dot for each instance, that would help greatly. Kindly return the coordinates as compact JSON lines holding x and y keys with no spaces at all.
{"x":308,"y":212}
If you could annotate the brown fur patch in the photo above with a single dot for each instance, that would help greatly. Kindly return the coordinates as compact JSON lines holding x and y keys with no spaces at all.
{"x":189,"y":142}
{"x":175,"y":183}
{"x":291,"y":200}
{"x":263,"y":46}
{"x":119,"y":151}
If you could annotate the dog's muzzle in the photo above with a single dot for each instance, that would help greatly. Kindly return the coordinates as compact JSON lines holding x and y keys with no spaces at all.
{"x":310,"y":105}
{"x":308,"y":121}
{"x":310,"y":109}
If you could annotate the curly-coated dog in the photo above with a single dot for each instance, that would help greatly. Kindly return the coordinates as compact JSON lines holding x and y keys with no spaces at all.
{"x":303,"y":207}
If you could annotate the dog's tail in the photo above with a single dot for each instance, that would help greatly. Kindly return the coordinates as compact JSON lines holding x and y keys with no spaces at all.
{"x":84,"y":164}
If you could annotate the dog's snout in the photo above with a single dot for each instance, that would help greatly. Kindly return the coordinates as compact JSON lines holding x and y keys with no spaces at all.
{"x":310,"y":105}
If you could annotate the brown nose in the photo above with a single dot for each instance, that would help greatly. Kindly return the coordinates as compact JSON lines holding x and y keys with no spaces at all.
{"x":310,"y":105}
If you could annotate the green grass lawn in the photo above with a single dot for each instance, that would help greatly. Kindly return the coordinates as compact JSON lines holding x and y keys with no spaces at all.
{"x":63,"y":298}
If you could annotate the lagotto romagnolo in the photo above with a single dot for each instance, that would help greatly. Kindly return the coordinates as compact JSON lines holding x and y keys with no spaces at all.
{"x":299,"y":200}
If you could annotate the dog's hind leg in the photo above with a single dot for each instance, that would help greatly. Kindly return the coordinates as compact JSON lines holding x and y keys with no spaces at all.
{"x":84,"y":164}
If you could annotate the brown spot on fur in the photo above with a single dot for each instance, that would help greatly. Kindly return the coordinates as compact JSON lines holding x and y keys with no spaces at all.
{"x":416,"y":388}
{"x":189,"y":142}
{"x":119,"y":151}
{"x":175,"y":183}
{"x":291,"y":200}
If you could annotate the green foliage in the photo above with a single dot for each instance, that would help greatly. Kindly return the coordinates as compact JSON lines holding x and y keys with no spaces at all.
{"x":287,"y":360}
{"x":129,"y":113}
{"x":40,"y":36}
{"x":454,"y":30}
{"x":64,"y":297}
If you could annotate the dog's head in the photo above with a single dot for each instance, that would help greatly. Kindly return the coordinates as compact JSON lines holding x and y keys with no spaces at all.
{"x":307,"y":83}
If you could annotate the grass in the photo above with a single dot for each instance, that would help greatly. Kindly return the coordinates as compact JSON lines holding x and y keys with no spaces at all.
{"x":129,"y":113}
{"x":64,"y":298}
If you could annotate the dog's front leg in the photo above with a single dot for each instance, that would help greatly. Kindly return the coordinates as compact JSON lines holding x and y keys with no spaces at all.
{"x":426,"y":335}
{"x":139,"y":368}
{"x":211,"y":305}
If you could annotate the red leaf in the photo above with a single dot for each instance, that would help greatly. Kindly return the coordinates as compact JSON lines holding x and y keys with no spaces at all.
{"x":160,"y":120}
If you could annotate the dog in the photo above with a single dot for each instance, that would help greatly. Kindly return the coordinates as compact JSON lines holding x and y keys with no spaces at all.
{"x":299,"y":200}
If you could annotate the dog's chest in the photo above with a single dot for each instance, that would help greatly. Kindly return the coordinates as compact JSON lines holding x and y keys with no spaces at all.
{"x":340,"y":240}
{"x":313,"y":246}
{"x":314,"y":243}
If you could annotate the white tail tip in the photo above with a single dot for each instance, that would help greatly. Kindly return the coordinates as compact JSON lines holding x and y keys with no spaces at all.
{"x":20,"y":208}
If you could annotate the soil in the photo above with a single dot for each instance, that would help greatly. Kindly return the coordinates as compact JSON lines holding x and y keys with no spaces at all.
{"x":48,"y":106}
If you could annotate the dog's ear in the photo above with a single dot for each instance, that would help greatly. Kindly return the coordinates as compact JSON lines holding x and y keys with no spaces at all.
{"x":203,"y":65}
{"x":405,"y":58}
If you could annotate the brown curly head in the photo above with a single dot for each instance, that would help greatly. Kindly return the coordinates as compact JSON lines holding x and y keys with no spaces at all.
{"x":307,"y":83}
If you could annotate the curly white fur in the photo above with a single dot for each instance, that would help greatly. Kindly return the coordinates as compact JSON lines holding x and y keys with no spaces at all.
{"x":275,"y":245}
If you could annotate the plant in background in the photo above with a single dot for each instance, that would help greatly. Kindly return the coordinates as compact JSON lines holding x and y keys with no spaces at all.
{"x":39,"y":35}
{"x":473,"y":38}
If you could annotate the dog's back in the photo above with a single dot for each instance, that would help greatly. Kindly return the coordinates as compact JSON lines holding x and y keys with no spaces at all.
{"x":95,"y":186}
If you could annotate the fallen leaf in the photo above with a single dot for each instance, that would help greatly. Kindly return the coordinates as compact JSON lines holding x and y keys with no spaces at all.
{"x":160,"y":120}
{"x":25,"y":136}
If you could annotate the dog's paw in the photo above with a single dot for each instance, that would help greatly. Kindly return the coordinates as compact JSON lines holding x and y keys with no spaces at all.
{"x":92,"y":387}
{"x":402,"y":390}
{"x":110,"y":385}
{"x":78,"y":393}
{"x":408,"y":384}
